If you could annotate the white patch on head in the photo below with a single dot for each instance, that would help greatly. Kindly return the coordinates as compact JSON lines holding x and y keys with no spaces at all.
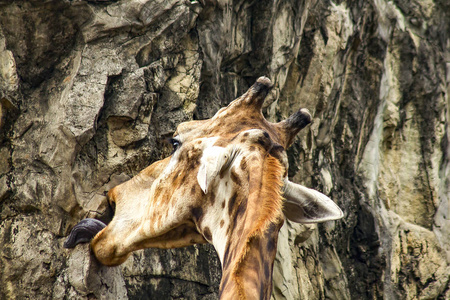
{"x":213,"y":161}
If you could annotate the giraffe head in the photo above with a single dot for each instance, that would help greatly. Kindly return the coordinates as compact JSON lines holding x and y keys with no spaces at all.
{"x":226,"y":184}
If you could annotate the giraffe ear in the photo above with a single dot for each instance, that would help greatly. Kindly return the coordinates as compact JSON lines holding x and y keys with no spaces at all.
{"x":304,"y":205}
{"x":214,"y":160}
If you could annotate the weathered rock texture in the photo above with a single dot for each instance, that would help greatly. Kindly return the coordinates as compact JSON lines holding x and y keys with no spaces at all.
{"x":89,"y":90}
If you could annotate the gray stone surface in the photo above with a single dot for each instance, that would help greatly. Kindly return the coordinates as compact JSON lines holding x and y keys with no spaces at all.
{"x":89,"y":91}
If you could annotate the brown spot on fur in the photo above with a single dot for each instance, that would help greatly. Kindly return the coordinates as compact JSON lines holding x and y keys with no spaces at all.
{"x":211,"y":197}
{"x":252,"y":148}
{"x":277,"y":151}
{"x":234,"y":176}
{"x":207,"y":234}
{"x":237,"y":207}
{"x":223,"y":204}
{"x":231,"y":203}
{"x":193,"y":190}
{"x":190,"y":158}
{"x":222,"y":222}
{"x":241,"y":210}
{"x":243,"y":164}
{"x":222,"y":173}
{"x":221,"y":143}
{"x":197,"y":213}
{"x":271,"y":245}
{"x":263,"y":142}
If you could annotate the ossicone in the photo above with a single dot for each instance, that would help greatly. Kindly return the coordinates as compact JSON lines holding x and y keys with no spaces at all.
{"x":292,"y":125}
{"x":257,"y":93}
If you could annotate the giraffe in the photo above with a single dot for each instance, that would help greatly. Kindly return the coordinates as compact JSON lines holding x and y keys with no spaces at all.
{"x":226,"y":184}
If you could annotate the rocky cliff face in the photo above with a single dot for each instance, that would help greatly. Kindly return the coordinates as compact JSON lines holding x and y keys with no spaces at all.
{"x":90,"y":89}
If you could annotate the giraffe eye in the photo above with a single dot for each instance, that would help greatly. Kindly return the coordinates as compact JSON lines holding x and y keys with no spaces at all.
{"x":175,"y":144}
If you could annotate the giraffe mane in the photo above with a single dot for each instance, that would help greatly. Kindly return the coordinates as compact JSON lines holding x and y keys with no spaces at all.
{"x":271,"y":193}
{"x":271,"y":212}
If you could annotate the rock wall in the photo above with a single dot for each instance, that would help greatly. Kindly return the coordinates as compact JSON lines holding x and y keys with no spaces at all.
{"x":89,"y":90}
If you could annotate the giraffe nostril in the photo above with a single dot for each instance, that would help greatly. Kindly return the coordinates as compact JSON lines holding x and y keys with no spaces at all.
{"x":113,"y":207}
{"x":111,"y":201}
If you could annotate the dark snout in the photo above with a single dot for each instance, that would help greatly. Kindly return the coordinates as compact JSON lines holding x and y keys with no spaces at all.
{"x":83,"y":232}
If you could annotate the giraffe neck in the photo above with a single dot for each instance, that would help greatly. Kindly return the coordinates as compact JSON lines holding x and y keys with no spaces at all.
{"x":247,"y":271}
{"x":247,"y":240}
